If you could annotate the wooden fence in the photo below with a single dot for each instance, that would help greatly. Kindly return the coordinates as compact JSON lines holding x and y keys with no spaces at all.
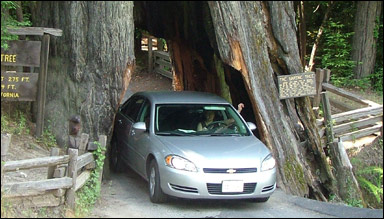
{"x":162,"y":63}
{"x":66,"y":175}
{"x":351,"y":124}
{"x":158,"y":61}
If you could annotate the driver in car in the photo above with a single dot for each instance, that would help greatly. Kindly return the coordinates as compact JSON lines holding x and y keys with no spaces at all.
{"x":209,"y":116}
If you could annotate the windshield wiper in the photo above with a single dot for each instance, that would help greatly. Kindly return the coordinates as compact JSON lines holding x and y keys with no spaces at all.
{"x":173,"y":134}
{"x":221,"y":134}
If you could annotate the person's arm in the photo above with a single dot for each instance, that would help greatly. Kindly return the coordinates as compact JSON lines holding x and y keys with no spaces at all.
{"x":240,"y":107}
{"x":199,"y":127}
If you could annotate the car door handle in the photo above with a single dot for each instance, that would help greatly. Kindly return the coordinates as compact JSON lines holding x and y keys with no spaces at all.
{"x":120,"y":122}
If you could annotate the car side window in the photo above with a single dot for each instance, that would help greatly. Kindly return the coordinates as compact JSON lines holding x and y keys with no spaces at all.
{"x":145,"y":114}
{"x":132,"y":108}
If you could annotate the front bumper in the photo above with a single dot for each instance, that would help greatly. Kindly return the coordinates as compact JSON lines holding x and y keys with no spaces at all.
{"x":200,"y":185}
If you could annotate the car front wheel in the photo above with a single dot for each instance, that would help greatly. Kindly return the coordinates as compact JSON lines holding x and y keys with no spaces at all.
{"x":155,"y":192}
{"x":115,"y":160}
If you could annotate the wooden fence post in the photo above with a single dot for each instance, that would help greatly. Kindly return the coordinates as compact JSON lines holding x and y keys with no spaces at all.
{"x":150,"y":55}
{"x":319,"y":89}
{"x":328,"y":123}
{"x":103,"y":144}
{"x":348,"y":187}
{"x":5,"y":142}
{"x":42,"y":82}
{"x":83,"y":143}
{"x":72,"y":173}
{"x":51,"y":169}
{"x":382,"y":124}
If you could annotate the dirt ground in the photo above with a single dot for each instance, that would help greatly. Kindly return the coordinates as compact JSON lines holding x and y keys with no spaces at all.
{"x":143,"y":81}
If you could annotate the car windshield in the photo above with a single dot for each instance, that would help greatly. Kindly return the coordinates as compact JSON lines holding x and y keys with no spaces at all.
{"x":198,"y":120}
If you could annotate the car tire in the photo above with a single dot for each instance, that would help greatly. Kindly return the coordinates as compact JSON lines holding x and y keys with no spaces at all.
{"x":156,"y":194}
{"x":115,"y":158}
{"x":260,"y":200}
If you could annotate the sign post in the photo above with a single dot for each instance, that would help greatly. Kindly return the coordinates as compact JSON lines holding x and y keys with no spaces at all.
{"x":42,"y":85}
{"x":27,"y":86}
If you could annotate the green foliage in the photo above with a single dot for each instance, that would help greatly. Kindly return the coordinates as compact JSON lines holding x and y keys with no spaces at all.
{"x":335,"y":48}
{"x":15,"y":123}
{"x":376,"y":79}
{"x":336,"y":53}
{"x":8,"y":19}
{"x":47,"y":138}
{"x":371,"y":179}
{"x":90,"y":192}
{"x":355,"y":203}
{"x":6,"y":208}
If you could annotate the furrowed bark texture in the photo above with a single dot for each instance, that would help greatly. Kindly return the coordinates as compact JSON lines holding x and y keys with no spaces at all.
{"x":90,"y":66}
{"x":259,"y":40}
{"x":364,"y":42}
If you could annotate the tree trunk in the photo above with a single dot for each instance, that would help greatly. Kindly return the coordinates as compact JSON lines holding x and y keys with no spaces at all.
{"x":302,"y":32}
{"x":364,"y":42}
{"x":90,"y":65}
{"x":258,"y":39}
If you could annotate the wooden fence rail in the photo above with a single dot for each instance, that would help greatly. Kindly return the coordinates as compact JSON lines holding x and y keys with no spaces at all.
{"x":344,"y":126}
{"x":35,"y":163}
{"x":70,"y":173}
{"x":348,"y":125}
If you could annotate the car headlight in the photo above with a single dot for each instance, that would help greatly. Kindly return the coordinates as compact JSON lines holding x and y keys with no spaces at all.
{"x":180,"y":163}
{"x":268,"y":163}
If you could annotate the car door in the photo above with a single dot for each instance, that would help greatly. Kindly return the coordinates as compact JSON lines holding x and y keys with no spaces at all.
{"x":139,"y":140}
{"x":125,"y":120}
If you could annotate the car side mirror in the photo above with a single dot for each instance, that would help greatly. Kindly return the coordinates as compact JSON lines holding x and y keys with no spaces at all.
{"x":251,"y":126}
{"x":140,"y":126}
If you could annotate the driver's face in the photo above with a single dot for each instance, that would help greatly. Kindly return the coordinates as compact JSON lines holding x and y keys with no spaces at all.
{"x":210,"y":115}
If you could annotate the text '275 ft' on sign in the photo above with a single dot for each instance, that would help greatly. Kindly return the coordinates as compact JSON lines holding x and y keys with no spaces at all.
{"x":18,"y":86}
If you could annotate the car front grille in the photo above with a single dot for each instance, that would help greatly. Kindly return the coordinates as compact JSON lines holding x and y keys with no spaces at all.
{"x":216,"y":189}
{"x":228,"y":170}
{"x":184,"y":188}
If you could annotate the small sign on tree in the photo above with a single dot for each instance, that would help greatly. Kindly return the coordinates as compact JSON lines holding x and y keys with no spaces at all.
{"x":297,"y":85}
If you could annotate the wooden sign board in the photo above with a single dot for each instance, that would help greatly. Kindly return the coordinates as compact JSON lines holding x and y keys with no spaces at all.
{"x":19,"y":86}
{"x":21,"y":53}
{"x":297,"y":85}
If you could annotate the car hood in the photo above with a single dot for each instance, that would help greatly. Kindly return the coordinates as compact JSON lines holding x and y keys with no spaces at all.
{"x":218,"y":152}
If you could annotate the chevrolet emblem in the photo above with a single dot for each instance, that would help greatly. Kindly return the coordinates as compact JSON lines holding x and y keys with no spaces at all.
{"x":231,"y":171}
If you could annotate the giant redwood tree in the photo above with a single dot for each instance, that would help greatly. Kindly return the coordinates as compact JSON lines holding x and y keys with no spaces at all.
{"x":364,"y":40}
{"x":234,"y":49}
{"x":90,"y":65}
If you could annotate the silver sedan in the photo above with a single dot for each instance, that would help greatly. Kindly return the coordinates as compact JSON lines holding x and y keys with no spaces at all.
{"x":191,"y":145}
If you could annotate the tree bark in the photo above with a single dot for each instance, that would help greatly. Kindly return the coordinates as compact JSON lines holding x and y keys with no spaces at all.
{"x":364,"y":42}
{"x":261,"y":53}
{"x":302,"y":32}
{"x":90,"y":66}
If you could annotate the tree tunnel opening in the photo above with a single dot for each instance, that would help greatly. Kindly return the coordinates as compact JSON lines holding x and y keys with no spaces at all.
{"x":188,"y":30}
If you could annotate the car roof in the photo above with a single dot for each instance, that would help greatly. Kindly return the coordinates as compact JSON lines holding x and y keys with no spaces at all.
{"x":166,"y":97}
